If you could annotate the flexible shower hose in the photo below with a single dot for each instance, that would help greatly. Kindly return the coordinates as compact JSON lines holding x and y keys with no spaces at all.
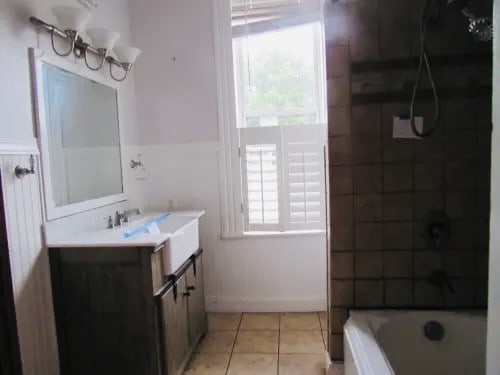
{"x":424,"y":61}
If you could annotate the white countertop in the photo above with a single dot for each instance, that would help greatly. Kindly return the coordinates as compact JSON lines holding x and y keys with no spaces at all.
{"x":115,"y":237}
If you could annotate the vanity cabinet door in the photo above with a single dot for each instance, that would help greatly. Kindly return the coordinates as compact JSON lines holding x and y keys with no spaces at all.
{"x":175,"y":327}
{"x":195,"y":287}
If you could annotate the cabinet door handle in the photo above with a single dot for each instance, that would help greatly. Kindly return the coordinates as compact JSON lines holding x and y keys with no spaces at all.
{"x":186,"y":294}
{"x":191,"y":288}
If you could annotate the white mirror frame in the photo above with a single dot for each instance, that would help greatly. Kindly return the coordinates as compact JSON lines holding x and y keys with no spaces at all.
{"x":37,"y":58}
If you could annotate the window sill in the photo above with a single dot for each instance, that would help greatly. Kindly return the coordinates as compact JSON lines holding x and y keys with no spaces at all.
{"x":263,"y":234}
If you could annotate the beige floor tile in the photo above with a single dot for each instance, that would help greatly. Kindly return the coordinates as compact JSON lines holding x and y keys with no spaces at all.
{"x":253,"y":364}
{"x":260,"y":321}
{"x":223,"y":322}
{"x":257,"y":342}
{"x":208,"y":364}
{"x":300,"y":321}
{"x":337,"y":369}
{"x":217,"y":342}
{"x":323,"y":319}
{"x":302,"y":364}
{"x":301,"y":342}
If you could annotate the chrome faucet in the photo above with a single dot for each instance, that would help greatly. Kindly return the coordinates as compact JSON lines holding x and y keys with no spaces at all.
{"x":124,"y":217}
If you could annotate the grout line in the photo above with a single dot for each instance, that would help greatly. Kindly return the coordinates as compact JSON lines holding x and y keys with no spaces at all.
{"x":234,"y":343}
{"x":279,"y":344}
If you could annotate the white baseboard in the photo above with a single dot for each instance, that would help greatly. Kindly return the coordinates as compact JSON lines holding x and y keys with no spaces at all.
{"x":228,"y":304}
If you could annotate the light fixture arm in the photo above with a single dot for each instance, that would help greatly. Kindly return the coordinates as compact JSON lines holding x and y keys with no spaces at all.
{"x":81,"y":49}
{"x":63,"y":54}
{"x":112,"y":75}
{"x":103,"y":54}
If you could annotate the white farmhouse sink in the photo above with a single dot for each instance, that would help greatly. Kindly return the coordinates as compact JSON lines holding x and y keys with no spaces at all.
{"x":183,"y":242}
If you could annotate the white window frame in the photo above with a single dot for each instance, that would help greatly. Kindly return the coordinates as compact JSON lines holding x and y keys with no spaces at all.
{"x":230,"y":171}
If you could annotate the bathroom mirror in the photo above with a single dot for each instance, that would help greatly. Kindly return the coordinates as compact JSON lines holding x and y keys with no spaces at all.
{"x":79,"y":137}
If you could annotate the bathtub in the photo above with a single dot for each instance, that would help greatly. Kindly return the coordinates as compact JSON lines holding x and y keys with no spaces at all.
{"x":389,"y":342}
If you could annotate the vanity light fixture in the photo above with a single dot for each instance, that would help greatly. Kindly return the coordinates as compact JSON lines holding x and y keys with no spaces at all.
{"x":72,"y":21}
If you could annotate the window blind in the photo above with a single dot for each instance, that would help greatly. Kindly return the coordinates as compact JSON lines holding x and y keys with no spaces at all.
{"x":258,"y":16}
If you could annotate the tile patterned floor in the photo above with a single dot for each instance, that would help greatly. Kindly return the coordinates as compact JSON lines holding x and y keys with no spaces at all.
{"x":261,"y":344}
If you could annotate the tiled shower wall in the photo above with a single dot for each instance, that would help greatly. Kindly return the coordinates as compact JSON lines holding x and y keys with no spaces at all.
{"x":380,"y":187}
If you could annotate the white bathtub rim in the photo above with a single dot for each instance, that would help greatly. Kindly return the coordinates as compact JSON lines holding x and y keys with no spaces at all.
{"x":361,"y":328}
{"x":367,"y":355}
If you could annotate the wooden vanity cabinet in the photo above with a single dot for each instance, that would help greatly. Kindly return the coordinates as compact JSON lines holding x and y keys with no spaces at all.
{"x":117,"y":314}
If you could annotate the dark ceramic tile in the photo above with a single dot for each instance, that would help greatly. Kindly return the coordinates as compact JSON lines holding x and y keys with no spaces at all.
{"x":429,"y":149}
{"x":368,"y":207}
{"x":398,"y":264}
{"x":369,"y":293}
{"x":366,"y":119}
{"x":482,"y":263}
{"x":338,"y":92}
{"x":482,"y":233}
{"x":398,"y":177}
{"x":368,"y":236}
{"x":342,"y":292}
{"x":461,"y":145}
{"x":463,"y":294}
{"x":482,"y":206}
{"x":460,"y":114}
{"x":341,"y":236}
{"x":337,"y":345}
{"x":394,"y":41}
{"x":342,"y":265}
{"x":427,"y":295}
{"x":341,"y":180}
{"x":339,"y":121}
{"x":483,"y":175}
{"x":339,"y":149}
{"x":398,"y":293}
{"x":368,"y":178}
{"x":460,"y":175}
{"x":484,"y":146}
{"x":426,"y":261}
{"x":398,"y":235}
{"x":367,"y":148}
{"x":365,"y":44}
{"x":398,"y":206}
{"x":397,"y":150}
{"x":341,"y":208}
{"x":427,"y":201}
{"x":463,"y":234}
{"x":369,"y":264}
{"x":428,"y":176}
{"x":339,"y":316}
{"x":459,"y":263}
{"x":337,"y":61}
{"x":481,"y":293}
{"x":460,"y":204}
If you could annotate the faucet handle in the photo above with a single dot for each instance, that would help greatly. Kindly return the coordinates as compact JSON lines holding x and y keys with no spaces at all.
{"x":109,"y":221}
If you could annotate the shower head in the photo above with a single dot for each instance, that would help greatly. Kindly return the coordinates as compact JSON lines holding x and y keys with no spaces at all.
{"x":481,"y":28}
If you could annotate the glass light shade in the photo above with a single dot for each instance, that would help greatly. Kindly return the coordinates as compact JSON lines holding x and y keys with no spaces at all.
{"x":127,"y":55}
{"x":71,"y":18}
{"x":103,"y":38}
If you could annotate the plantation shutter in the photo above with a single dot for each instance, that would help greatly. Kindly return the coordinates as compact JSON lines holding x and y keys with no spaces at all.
{"x":304,"y":176}
{"x":258,"y":16}
{"x":261,"y":165}
{"x":283,"y":177}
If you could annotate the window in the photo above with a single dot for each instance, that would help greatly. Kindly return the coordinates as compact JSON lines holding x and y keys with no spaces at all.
{"x":271,"y":90}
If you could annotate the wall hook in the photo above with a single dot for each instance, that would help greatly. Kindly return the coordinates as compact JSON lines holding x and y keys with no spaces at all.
{"x":20,"y":172}
{"x":134,"y":164}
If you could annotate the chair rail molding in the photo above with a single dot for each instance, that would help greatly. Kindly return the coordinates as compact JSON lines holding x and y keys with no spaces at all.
{"x":13,"y":146}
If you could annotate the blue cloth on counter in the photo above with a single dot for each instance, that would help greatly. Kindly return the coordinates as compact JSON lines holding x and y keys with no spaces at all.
{"x":144,"y":228}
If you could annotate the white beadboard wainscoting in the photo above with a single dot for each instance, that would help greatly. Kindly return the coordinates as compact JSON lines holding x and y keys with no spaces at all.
{"x":285,"y":273}
{"x":29,"y":260}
